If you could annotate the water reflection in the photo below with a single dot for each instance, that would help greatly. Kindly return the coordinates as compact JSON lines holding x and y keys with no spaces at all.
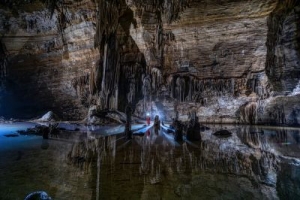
{"x":255,"y":162}
{"x":155,"y":167}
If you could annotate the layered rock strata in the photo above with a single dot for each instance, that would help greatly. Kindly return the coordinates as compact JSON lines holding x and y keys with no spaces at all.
{"x":227,"y":61}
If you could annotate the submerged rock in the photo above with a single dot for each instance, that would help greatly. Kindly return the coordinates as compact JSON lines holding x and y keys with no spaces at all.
{"x":223,"y":133}
{"x":204,"y":128}
{"x":11,"y":135}
{"x":37,"y":130}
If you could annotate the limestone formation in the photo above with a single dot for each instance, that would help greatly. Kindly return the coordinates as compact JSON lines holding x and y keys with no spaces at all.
{"x":48,"y":117}
{"x":228,"y":61}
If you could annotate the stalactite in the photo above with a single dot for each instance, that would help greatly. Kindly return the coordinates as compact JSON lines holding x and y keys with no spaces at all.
{"x":291,"y":3}
{"x":186,"y":88}
{"x":159,"y":37}
{"x":92,"y":83}
{"x":248,"y":113}
{"x":64,"y":19}
{"x":232,"y":86}
{"x":80,"y":84}
{"x":132,"y":92}
{"x":180,"y":89}
{"x":3,"y":61}
{"x":108,"y":16}
{"x":110,"y":66}
{"x":171,"y":11}
{"x":156,"y":78}
{"x":190,"y":92}
{"x":277,"y":115}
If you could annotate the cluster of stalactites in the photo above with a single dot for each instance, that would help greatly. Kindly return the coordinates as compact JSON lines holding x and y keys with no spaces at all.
{"x":108,"y":14}
{"x":169,"y":8}
{"x":190,"y":88}
{"x":110,"y":79}
{"x":156,"y":77}
{"x":291,"y":3}
{"x":79,"y":83}
{"x":132,"y":76}
{"x":105,"y":76}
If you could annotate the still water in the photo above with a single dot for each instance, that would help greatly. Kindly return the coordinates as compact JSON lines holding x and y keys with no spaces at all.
{"x":98,"y":163}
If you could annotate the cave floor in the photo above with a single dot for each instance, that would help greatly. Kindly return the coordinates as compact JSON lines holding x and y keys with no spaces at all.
{"x":256,"y":162}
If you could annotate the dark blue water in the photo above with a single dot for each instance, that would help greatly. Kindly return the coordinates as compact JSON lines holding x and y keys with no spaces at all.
{"x":11,"y":140}
{"x":99,"y":163}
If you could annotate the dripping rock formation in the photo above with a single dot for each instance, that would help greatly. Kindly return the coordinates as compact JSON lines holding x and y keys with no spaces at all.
{"x":227,"y":61}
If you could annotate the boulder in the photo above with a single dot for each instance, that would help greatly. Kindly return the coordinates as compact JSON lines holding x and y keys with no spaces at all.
{"x":48,"y":117}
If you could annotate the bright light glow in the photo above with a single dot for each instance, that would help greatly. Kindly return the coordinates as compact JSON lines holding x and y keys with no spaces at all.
{"x":148,"y":114}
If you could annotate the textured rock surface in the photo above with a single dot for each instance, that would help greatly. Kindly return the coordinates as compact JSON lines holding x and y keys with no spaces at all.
{"x":43,"y":61}
{"x":228,"y":61}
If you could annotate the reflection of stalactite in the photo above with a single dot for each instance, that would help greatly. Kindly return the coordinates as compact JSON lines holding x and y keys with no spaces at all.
{"x":253,"y":137}
{"x":82,"y":154}
{"x":156,"y":162}
{"x":280,"y":136}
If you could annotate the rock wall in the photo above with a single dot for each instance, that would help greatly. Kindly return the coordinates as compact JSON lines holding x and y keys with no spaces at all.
{"x":46,"y":53}
{"x":227,"y":61}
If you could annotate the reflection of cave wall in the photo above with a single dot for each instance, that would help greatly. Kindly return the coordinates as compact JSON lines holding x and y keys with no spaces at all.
{"x":156,"y":162}
{"x":288,"y":186}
